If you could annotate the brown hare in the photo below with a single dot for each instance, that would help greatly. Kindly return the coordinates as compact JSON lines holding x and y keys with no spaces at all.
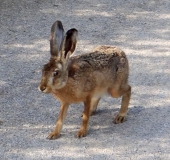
{"x":83,"y":78}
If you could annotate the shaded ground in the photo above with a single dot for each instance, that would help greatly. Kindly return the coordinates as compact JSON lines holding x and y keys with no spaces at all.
{"x":141,"y":28}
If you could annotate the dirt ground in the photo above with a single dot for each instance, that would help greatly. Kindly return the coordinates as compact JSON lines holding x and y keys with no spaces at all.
{"x":139,"y":27}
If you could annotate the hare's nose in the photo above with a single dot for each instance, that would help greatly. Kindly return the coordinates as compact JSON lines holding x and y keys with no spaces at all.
{"x":41,"y":88}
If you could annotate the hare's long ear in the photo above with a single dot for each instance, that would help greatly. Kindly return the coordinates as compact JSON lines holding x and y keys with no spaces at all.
{"x":56,"y":38}
{"x":69,"y":43}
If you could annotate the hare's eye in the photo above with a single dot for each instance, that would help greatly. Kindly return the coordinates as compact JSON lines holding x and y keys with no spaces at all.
{"x":56,"y":73}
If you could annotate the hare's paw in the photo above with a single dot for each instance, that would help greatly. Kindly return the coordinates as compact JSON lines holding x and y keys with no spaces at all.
{"x":119,"y":119}
{"x":53,"y":136}
{"x":81,"y":133}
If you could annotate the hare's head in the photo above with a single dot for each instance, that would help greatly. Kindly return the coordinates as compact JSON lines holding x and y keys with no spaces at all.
{"x":55,"y":72}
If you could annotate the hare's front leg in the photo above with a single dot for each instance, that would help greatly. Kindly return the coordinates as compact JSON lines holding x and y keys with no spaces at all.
{"x":125,"y":92}
{"x":85,"y":120}
{"x":63,"y":111}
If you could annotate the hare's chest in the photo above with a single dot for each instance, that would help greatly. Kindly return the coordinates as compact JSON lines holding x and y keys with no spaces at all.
{"x":70,"y":95}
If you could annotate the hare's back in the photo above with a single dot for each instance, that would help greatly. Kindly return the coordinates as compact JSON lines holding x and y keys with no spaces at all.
{"x":103,"y":63}
{"x":100,"y":58}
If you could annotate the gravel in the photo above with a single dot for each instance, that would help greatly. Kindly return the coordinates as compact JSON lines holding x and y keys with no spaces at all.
{"x":141,"y":28}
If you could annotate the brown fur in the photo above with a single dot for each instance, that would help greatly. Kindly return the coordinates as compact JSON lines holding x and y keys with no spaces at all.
{"x":85,"y":78}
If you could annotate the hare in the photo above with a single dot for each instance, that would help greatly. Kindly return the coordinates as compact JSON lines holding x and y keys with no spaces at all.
{"x":83,"y":78}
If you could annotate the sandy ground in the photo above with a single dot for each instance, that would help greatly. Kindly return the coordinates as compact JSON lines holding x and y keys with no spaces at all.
{"x":139,"y":27}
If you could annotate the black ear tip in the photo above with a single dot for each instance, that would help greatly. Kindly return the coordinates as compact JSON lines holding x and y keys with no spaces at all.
{"x":71,"y":31}
{"x":74,"y":30}
{"x":57,"y":24}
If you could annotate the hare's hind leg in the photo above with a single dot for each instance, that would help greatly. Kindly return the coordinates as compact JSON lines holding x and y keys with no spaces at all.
{"x":56,"y":133}
{"x":125,"y":92}
{"x":94,"y":104}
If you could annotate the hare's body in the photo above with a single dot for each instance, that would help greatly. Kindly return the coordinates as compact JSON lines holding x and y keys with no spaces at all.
{"x":100,"y":70}
{"x":84,"y":78}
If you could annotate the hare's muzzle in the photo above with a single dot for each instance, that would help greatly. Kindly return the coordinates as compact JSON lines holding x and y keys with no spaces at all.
{"x":44,"y":88}
{"x":45,"y":85}
{"x":41,"y":88}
